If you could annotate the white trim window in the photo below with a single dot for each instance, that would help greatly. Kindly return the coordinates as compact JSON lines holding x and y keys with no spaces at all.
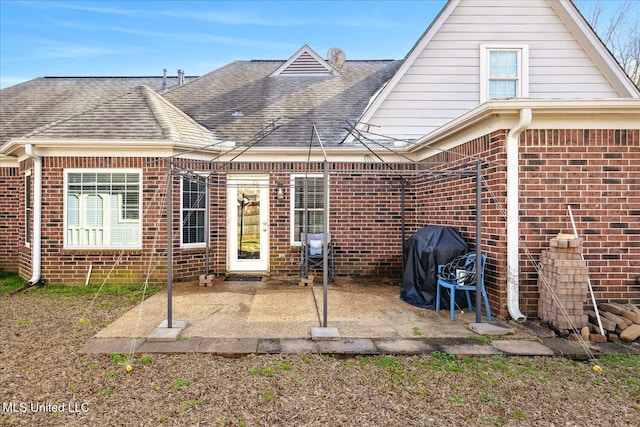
{"x":504,"y":72}
{"x":103,"y":208}
{"x":315,"y":205}
{"x":193,"y":210}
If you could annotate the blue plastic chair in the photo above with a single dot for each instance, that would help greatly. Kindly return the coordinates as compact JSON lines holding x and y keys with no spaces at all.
{"x":461,"y":277}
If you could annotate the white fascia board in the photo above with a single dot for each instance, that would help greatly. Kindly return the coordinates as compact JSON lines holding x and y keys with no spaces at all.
{"x":63,"y":147}
{"x":547,"y":114}
{"x":9,"y":162}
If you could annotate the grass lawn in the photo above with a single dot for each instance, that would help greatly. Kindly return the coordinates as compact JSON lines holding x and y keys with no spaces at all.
{"x":41,"y":372}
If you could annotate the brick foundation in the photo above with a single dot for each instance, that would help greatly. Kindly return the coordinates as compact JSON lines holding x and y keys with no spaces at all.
{"x":563,"y":284}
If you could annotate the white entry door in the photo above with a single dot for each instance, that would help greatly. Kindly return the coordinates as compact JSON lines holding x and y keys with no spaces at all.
{"x":248,"y":223}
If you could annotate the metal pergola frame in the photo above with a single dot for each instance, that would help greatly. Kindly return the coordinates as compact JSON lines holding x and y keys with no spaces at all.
{"x":401,"y":170}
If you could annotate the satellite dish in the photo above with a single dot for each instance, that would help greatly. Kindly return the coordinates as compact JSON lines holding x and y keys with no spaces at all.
{"x":336,"y":57}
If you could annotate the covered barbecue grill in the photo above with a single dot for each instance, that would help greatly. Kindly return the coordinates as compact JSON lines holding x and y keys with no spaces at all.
{"x":424,"y":251}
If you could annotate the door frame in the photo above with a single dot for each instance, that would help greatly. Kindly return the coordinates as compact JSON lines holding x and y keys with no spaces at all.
{"x":234,"y":264}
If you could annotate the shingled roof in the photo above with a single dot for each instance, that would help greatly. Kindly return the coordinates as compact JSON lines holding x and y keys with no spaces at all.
{"x":297,"y":102}
{"x":42,"y":101}
{"x":108,"y":107}
{"x":141,"y":114}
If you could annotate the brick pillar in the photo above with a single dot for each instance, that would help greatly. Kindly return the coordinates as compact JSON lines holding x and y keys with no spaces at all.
{"x":567,"y":277}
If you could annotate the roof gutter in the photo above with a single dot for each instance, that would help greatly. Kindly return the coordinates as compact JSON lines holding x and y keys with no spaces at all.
{"x":36,"y":244}
{"x":513,"y":208}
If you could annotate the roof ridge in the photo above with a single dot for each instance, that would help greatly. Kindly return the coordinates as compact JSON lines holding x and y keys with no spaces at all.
{"x":159,"y":106}
{"x":168,"y":129}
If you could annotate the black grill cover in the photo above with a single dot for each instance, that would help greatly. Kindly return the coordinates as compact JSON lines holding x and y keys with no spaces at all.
{"x":424,"y":251}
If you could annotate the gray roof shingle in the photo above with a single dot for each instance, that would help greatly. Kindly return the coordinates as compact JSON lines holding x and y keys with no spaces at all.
{"x":110,"y":108}
{"x":39,"y":102}
{"x":140,"y":114}
{"x":298,"y":101}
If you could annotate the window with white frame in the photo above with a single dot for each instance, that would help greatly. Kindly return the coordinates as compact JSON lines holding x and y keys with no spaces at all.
{"x":313,"y":187}
{"x":102,"y":208}
{"x":193,"y":210}
{"x":504,"y":72}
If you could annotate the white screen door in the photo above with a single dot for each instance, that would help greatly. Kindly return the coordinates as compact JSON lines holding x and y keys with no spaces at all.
{"x":248,"y":223}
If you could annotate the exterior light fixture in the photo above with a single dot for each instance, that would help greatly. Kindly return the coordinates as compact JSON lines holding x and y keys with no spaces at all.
{"x":280,"y":192}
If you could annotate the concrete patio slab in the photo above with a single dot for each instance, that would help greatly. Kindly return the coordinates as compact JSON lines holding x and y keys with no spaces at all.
{"x":491,"y":329}
{"x":324,"y":333}
{"x":468,"y":349}
{"x":290,"y":346}
{"x":186,"y":345}
{"x":348,"y":346}
{"x":402,"y":346}
{"x":274,"y":316}
{"x":165,"y":333}
{"x":523,"y":348}
{"x":229,"y":346}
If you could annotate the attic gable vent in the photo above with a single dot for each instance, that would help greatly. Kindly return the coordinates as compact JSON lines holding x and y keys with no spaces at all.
{"x":306,"y":62}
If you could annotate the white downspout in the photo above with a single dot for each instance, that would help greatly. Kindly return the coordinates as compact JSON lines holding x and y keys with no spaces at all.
{"x":513,"y":219}
{"x":36,"y":243}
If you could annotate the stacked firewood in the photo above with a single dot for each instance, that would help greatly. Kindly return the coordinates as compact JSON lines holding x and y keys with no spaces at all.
{"x":619,"y":321}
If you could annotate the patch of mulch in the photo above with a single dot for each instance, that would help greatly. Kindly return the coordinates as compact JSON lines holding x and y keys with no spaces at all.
{"x":41,"y":372}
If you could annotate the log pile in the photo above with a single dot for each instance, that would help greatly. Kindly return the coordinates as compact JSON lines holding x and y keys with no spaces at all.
{"x":619,"y":321}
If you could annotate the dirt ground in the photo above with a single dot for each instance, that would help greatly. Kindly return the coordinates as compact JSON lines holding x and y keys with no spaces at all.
{"x":45,"y":381}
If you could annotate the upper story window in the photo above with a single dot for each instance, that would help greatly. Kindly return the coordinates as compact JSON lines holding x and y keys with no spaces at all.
{"x":504,"y":72}
{"x":102,"y":208}
{"x":193,"y":210}
{"x":311,"y":206}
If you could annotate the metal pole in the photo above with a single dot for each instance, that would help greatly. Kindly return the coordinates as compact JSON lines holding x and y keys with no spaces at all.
{"x":169,"y":241}
{"x":479,"y":269}
{"x":206,"y":225}
{"x":593,"y":298}
{"x":325,"y":248}
{"x":402,"y":208}
{"x":304,"y":237}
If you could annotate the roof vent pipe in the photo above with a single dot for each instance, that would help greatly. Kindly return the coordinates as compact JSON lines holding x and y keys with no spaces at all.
{"x":164,"y":80}
{"x":36,"y":243}
{"x":513,"y":218}
{"x":180,"y":77}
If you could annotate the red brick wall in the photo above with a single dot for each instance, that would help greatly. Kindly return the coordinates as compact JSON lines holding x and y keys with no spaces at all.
{"x":365,"y":223}
{"x":365,"y":219}
{"x":71,"y":266}
{"x":598,"y":173}
{"x":450,"y":199}
{"x":12,"y":184}
{"x":593,"y":170}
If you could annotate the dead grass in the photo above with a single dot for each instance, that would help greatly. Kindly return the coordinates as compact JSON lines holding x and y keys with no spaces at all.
{"x":41,"y":332}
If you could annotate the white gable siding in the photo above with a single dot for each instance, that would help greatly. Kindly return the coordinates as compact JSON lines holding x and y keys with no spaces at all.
{"x":444,"y":80}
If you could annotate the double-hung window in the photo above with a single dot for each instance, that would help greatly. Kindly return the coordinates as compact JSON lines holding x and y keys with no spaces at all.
{"x":503,"y":72}
{"x":193,"y":210}
{"x":311,"y":206}
{"x":102,"y":208}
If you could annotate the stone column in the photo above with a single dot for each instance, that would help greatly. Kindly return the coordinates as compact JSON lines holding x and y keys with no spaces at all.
{"x":563,"y":275}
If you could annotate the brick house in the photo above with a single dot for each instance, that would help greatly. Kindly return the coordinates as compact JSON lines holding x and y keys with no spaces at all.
{"x":526,"y":87}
